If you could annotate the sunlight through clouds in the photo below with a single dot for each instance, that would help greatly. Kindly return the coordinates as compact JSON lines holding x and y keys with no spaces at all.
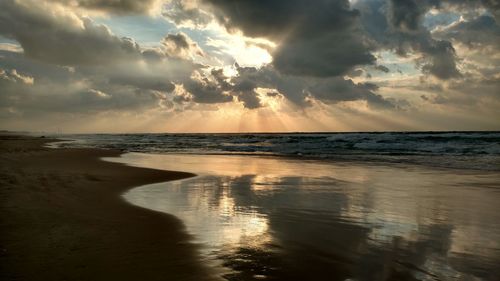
{"x":315,"y":66}
{"x":244,"y":51}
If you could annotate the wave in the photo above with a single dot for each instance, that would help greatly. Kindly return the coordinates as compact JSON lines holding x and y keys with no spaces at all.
{"x":470,"y":150}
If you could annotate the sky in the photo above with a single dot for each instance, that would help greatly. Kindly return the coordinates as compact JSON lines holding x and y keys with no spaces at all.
{"x":125,"y":66}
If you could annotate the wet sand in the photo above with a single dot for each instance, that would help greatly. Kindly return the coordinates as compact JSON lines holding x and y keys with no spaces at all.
{"x":62,"y":218}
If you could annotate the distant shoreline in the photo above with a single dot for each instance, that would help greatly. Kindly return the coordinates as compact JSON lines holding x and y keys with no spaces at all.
{"x":62,"y":218}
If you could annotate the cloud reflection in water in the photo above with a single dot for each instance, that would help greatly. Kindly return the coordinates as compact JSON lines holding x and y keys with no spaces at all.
{"x":284,"y":219}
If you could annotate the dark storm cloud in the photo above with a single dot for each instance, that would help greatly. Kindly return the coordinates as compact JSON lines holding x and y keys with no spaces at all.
{"x":70,"y":63}
{"x":206,"y":91}
{"x":276,"y":17}
{"x":336,"y":90}
{"x":297,"y":90}
{"x":441,"y":59}
{"x":397,"y":25}
{"x":217,"y":88}
{"x":319,"y":42}
{"x":324,"y":38}
{"x":56,"y":36}
{"x":493,"y":6}
{"x":243,"y":90}
{"x":477,"y":33}
{"x":407,"y":14}
{"x":406,"y":20}
{"x":318,"y":39}
{"x":249,"y":99}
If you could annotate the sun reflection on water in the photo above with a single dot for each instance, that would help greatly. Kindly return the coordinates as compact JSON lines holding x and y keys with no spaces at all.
{"x":287,"y":219}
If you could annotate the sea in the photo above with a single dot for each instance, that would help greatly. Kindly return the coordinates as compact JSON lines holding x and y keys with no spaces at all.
{"x":327,"y":206}
{"x":467,"y":150}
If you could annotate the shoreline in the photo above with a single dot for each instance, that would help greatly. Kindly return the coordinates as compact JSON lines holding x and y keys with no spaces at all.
{"x":295,"y":220}
{"x":63,"y":218}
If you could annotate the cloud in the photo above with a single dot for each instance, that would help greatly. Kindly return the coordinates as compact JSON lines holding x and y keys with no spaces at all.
{"x":186,"y":13}
{"x":319,"y":40}
{"x":472,"y":7}
{"x":329,"y":38}
{"x":60,"y":62}
{"x":62,"y":48}
{"x":407,"y":15}
{"x":457,"y":95}
{"x":10,"y":47}
{"x":161,"y":84}
{"x":335,"y":90}
{"x":47,"y":99}
{"x":493,"y":6}
{"x":440,"y":59}
{"x":299,"y":91}
{"x":478,"y":32}
{"x":439,"y":55}
{"x":398,"y":25}
{"x":113,"y":6}
{"x":251,"y":78}
{"x":484,"y":89}
{"x":205,"y":91}
{"x":181,"y":46}
{"x":382,"y":68}
{"x":96,"y":94}
{"x":13,"y":76}
{"x":477,"y":41}
{"x":74,"y":97}
{"x":124,"y":86}
{"x":51,"y":33}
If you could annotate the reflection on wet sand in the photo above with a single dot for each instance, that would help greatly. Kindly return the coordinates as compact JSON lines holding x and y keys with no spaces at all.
{"x":282,"y":219}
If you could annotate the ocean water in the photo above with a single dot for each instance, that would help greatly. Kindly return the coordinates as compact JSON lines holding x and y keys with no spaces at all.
{"x":347,"y":206}
{"x":467,"y":150}
{"x":277,"y":218}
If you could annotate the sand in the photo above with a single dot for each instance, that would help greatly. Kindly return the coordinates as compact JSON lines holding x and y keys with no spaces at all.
{"x":62,"y":218}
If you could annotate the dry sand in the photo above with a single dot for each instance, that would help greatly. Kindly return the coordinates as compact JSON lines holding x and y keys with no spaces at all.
{"x":62,"y":218}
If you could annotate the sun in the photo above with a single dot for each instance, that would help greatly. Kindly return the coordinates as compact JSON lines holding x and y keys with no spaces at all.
{"x":252,"y":52}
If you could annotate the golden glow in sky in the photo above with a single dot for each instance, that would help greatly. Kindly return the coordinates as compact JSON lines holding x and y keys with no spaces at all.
{"x":189,"y":66}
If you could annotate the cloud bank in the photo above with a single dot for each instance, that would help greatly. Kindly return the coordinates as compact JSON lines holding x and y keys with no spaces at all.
{"x":382,"y":56}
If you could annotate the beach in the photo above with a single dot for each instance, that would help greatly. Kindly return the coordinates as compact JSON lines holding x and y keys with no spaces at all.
{"x":193,"y":140}
{"x":62,"y":218}
{"x":77,"y":212}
